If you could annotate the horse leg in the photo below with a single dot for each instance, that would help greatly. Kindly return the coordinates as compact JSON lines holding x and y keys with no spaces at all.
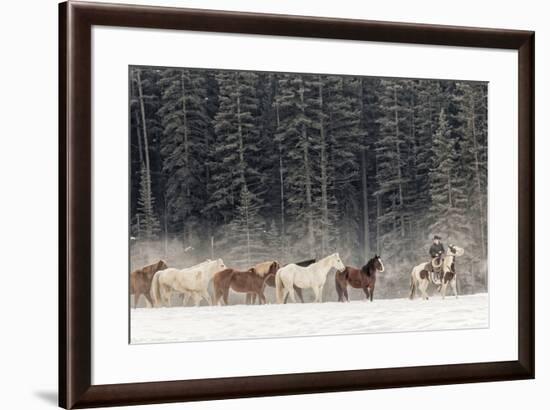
{"x":206,"y":296}
{"x":366,"y":290}
{"x":346,"y":294}
{"x":339,"y":289}
{"x":217,"y":296}
{"x":371,"y":291}
{"x":443,"y":290}
{"x":197,"y":298}
{"x":422,"y":287}
{"x":148,"y":299}
{"x":453,"y":286}
{"x":136,"y":298}
{"x":226,"y":296}
{"x":290,"y":291}
{"x":261,"y":298}
{"x":299,"y":293}
{"x":413,"y":289}
{"x":316,"y":293}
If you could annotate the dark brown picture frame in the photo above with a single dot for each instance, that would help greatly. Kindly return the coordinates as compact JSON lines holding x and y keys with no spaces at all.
{"x":75,"y":194}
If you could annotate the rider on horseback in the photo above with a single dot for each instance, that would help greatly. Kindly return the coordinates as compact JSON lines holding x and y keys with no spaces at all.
{"x":436,"y":252}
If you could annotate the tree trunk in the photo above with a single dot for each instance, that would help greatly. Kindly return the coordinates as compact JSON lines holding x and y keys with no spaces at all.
{"x":282,"y":186}
{"x":399,"y":175}
{"x":364,"y":180}
{"x":185,"y":129}
{"x":140,"y":148}
{"x":478,"y":180}
{"x":240,"y":131}
{"x":378,"y":224}
{"x":147,"y":176}
{"x":324,"y":182}
{"x":307,"y":176}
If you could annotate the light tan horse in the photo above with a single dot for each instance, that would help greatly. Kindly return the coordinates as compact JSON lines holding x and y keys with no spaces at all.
{"x":140,"y":281}
{"x":192,"y":282}
{"x":267,"y":271}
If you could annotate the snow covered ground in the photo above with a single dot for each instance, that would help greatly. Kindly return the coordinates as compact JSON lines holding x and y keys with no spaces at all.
{"x":180,"y":324}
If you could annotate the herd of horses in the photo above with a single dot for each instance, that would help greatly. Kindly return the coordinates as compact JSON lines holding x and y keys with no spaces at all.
{"x":158,"y":282}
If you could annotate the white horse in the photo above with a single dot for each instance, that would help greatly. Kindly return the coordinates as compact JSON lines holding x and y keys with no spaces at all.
{"x":192,"y":282}
{"x":312,"y":276}
{"x":423,"y":274}
{"x":449,"y":274}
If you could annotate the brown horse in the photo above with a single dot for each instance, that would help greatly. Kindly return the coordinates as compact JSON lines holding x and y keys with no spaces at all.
{"x":267,"y":270}
{"x":364,"y":278}
{"x":140,"y":281}
{"x":249,"y":282}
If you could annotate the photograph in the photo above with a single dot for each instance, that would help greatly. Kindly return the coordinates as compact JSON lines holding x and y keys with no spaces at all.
{"x":277,"y":204}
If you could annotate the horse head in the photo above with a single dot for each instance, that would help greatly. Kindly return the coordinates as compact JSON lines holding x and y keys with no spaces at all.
{"x":161,"y":265}
{"x":220,"y":264}
{"x":338,"y":264}
{"x":455,"y":250}
{"x":379,"y":265}
{"x":275,"y":266}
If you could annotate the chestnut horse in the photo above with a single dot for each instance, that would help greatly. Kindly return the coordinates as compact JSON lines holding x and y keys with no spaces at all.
{"x":270,"y":281}
{"x":140,"y":281}
{"x":364,"y":278}
{"x":250,"y":282}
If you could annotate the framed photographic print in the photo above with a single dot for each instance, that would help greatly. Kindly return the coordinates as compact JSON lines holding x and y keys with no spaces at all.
{"x":253,"y":204}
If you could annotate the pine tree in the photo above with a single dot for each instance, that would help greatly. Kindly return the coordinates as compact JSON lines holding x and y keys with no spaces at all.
{"x":343,"y":120}
{"x":298,"y":132}
{"x":447,"y":187}
{"x":245,"y":236}
{"x":184,"y":122}
{"x":148,"y":224}
{"x":236,"y":153}
{"x":473,"y":151}
{"x":392,"y":170}
{"x":146,"y":221}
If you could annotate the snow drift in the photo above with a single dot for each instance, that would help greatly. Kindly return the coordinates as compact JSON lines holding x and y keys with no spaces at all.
{"x":181,"y":324}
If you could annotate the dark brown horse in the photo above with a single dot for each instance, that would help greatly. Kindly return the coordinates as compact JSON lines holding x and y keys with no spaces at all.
{"x":140,"y":281}
{"x":364,"y":278}
{"x":270,"y":281}
{"x":251,"y":282}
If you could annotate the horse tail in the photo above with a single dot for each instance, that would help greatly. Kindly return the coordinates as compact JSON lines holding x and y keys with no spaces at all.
{"x":155,"y":291}
{"x":412,"y":286}
{"x":279,"y":287}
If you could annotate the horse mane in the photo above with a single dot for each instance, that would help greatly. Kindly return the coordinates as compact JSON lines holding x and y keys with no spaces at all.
{"x":366,"y":269}
{"x":306,"y":262}
{"x":257,"y":269}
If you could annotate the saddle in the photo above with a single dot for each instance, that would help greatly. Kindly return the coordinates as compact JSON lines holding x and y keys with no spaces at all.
{"x":437,"y":271}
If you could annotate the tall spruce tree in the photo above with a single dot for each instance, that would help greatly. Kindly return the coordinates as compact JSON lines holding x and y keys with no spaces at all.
{"x":392,"y":173}
{"x":297,"y":103}
{"x":184,"y":151}
{"x":246,"y":234}
{"x":447,"y":187}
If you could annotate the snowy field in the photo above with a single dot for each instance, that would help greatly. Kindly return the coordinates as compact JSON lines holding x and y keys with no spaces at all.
{"x":180,"y":324}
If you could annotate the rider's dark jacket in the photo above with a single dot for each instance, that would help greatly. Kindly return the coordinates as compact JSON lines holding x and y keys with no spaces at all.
{"x":435,"y":250}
